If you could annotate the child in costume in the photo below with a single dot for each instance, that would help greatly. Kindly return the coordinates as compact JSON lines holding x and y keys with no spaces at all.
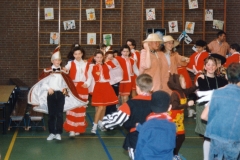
{"x":53,"y":94}
{"x":114,"y":78}
{"x":135,"y":54}
{"x":234,"y":55}
{"x":133,"y":111}
{"x":221,"y":70}
{"x":179,"y":102}
{"x":196,"y":62}
{"x":156,"y":138}
{"x":103,"y":95}
{"x":70,"y":54}
{"x":129,"y":67}
{"x":75,"y":122}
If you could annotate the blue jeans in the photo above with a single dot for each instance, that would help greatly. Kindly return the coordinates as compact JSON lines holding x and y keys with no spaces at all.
{"x":224,"y":150}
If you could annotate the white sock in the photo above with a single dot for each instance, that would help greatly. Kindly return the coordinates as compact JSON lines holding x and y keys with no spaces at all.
{"x":206,"y":149}
{"x":94,"y":126}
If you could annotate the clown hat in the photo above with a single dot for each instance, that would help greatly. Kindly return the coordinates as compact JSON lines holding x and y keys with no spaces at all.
{"x":56,"y":53}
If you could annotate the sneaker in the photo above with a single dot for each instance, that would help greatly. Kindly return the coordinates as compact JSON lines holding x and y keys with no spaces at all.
{"x":94,"y":130}
{"x":131,"y":153}
{"x":51,"y":137}
{"x":177,"y":157}
{"x":77,"y":134}
{"x":58,"y":137}
{"x":100,"y":126}
{"x":71,"y":134}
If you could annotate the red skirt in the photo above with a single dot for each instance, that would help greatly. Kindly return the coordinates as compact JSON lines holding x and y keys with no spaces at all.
{"x":75,"y":119}
{"x":126,"y":88}
{"x":103,"y":95}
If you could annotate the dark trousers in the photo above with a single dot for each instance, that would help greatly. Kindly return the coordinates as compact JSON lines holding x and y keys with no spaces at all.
{"x":112,"y":108}
{"x":179,"y":141}
{"x":55,"y":103}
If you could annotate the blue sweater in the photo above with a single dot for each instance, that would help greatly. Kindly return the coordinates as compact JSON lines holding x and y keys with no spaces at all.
{"x":156,"y":140}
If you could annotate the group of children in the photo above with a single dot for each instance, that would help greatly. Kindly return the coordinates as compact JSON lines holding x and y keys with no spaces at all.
{"x":107,"y":74}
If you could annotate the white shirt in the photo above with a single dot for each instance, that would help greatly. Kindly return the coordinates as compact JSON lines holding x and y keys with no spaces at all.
{"x":80,"y":68}
{"x":56,"y":81}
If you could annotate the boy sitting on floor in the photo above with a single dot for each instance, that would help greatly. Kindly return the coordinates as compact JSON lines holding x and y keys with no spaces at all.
{"x":133,"y":111}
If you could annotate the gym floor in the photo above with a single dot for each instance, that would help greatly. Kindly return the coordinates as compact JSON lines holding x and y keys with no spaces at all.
{"x":19,"y":144}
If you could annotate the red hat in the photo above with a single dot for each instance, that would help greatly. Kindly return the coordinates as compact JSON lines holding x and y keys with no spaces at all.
{"x":56,"y":53}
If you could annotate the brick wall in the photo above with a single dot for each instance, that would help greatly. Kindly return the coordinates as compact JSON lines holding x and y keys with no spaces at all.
{"x":18,"y":32}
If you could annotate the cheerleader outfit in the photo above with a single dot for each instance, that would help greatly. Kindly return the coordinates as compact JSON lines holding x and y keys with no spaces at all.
{"x":75,"y":119}
{"x":128,"y":83}
{"x":196,"y":63}
{"x":235,"y":57}
{"x":103,"y":93}
{"x":136,"y":56}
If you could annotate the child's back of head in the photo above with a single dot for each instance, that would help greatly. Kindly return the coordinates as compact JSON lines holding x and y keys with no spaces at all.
{"x":160,"y":102}
{"x":144,"y":82}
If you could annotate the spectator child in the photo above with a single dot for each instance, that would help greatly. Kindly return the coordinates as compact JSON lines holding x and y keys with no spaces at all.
{"x":223,"y":126}
{"x":133,"y":111}
{"x":156,"y":139}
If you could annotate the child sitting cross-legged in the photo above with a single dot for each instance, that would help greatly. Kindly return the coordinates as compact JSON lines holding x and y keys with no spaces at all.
{"x":133,"y":111}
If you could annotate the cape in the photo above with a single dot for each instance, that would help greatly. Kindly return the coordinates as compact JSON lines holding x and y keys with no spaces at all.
{"x":37,"y":96}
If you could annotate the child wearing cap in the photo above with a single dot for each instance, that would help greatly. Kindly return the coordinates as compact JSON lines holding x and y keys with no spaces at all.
{"x":157,"y":136}
{"x":133,"y":111}
{"x":53,"y":94}
{"x":221,"y":71}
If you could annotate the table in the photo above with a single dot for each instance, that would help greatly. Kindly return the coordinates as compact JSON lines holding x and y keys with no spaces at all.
{"x":7,"y":96}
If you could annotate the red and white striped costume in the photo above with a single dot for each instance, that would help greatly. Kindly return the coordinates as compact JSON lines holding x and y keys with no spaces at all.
{"x":75,"y":119}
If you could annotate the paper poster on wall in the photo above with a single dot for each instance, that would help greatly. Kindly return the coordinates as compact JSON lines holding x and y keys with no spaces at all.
{"x":107,"y":39}
{"x":150,"y":14}
{"x":193,"y":4}
{"x":54,"y":38}
{"x":217,"y":24}
{"x":69,"y":25}
{"x":48,"y":13}
{"x":208,"y":14}
{"x":91,"y":38}
{"x":173,"y":26}
{"x":90,"y":14}
{"x":189,"y":27}
{"x":109,"y":3}
{"x":187,"y":39}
